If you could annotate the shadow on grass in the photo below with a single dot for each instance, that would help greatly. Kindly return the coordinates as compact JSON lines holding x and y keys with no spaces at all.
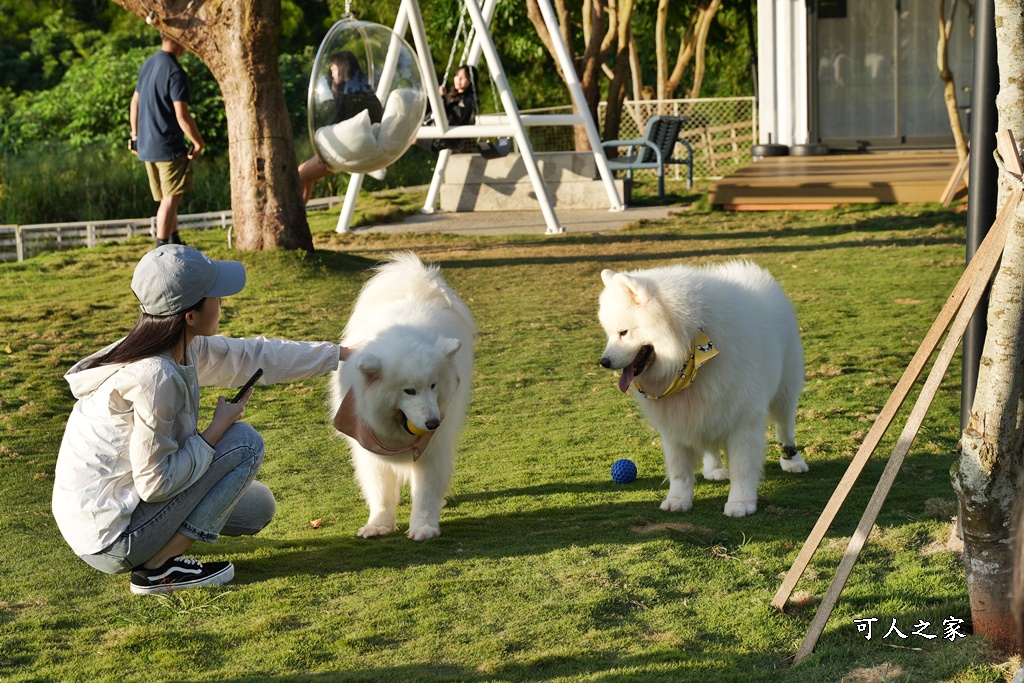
{"x":717,"y":252}
{"x":603,"y":667}
{"x":878,"y":224}
{"x":573,"y":515}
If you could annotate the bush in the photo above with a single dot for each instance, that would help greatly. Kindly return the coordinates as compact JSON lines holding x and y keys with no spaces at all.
{"x":59,"y":183}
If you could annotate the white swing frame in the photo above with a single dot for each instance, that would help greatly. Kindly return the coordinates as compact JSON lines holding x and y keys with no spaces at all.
{"x":511,"y":124}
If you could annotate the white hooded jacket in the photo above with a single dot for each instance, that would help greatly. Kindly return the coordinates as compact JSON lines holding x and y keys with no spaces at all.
{"x":132,"y":435}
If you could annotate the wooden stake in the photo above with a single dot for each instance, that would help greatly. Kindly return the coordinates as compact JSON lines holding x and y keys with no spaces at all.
{"x":954,"y":180}
{"x":963,"y":302}
{"x":917,"y":414}
{"x":888,"y":412}
{"x":1007,"y":147}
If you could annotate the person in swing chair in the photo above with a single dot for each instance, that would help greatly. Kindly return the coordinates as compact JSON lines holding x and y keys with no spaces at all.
{"x":136,"y":481}
{"x":460,"y":107}
{"x":353,"y":94}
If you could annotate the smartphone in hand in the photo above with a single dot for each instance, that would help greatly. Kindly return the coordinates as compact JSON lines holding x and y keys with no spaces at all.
{"x":248,"y":385}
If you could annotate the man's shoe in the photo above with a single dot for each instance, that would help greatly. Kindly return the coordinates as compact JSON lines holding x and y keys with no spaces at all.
{"x":176,"y":239}
{"x":178,"y":573}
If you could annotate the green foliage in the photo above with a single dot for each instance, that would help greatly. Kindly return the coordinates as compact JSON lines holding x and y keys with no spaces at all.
{"x":728,"y":71}
{"x":68,"y":70}
{"x":729,"y":61}
{"x":95,"y":181}
{"x":207,"y":104}
{"x":89,"y":105}
{"x":545,"y":569}
{"x":295,"y":70}
{"x":303,"y":25}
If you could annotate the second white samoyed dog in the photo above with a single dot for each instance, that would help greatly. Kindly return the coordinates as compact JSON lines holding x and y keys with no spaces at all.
{"x":709,"y":354}
{"x":401,"y":397}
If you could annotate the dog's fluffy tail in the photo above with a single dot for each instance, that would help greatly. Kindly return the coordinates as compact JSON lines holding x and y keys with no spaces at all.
{"x":403,"y":275}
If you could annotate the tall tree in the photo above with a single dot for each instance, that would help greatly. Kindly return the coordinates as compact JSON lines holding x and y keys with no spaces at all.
{"x":946,"y":74}
{"x":600,"y":27}
{"x":623,"y":68}
{"x":238,"y":43}
{"x":692,"y":46}
{"x":986,"y":475}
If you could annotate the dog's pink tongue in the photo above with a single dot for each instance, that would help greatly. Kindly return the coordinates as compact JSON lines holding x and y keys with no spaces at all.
{"x":626,"y":378}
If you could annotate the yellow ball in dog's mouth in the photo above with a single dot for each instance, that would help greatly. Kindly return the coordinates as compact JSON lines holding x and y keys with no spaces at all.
{"x":414,"y":430}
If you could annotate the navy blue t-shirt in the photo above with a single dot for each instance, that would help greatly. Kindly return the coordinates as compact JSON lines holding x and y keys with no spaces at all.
{"x":161,"y":83}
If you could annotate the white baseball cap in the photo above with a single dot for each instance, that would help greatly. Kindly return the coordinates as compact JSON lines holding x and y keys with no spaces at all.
{"x":173,"y":278}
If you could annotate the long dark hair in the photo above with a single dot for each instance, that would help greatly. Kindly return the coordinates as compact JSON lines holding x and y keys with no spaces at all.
{"x":474,"y":77}
{"x":348,"y":68}
{"x":151,"y":336}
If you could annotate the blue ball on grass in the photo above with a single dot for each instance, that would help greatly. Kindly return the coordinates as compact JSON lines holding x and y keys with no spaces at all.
{"x":623,"y":471}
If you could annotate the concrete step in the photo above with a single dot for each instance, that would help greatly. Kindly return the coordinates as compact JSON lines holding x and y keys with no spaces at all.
{"x":473,"y":183}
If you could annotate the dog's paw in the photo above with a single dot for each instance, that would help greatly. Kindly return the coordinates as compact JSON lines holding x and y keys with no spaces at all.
{"x":423,"y":533}
{"x":371,"y":530}
{"x":740,"y":508}
{"x":716,"y":474}
{"x":676,"y":505}
{"x":795,"y":464}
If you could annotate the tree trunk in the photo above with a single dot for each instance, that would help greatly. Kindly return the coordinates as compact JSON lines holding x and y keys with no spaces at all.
{"x":238,"y":42}
{"x":620,"y":80}
{"x":692,"y":45}
{"x":661,"y":50}
{"x":986,"y":476}
{"x":948,"y":83}
{"x":706,"y":15}
{"x":598,"y":43}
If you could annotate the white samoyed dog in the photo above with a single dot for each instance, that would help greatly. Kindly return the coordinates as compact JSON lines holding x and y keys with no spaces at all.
{"x":709,"y":354}
{"x":401,"y":397}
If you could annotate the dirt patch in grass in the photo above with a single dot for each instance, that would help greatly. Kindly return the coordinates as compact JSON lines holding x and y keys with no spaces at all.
{"x":673,"y":526}
{"x":874,"y":674}
{"x":952,"y":543}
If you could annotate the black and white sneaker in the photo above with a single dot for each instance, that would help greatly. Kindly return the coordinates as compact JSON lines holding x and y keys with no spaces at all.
{"x":180,"y":572}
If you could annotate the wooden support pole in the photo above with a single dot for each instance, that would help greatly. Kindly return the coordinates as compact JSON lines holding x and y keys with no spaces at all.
{"x":954,"y":180}
{"x":885,"y":417}
{"x":906,"y":439}
{"x":962,"y":303}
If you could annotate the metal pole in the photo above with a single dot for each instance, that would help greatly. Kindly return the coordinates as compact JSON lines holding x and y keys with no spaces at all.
{"x":983,"y":190}
{"x":508,"y":101}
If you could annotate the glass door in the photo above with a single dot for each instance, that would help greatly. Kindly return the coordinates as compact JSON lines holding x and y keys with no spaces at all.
{"x":876,"y":83}
{"x":922,"y":115}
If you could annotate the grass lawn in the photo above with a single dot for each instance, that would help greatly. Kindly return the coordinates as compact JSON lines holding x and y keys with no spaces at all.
{"x":545,"y":570}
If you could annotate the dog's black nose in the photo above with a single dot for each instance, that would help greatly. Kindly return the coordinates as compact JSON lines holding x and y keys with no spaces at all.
{"x":432,"y":424}
{"x":606,"y":362}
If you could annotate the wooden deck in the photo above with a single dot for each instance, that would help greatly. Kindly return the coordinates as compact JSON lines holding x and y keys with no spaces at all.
{"x":822,"y":182}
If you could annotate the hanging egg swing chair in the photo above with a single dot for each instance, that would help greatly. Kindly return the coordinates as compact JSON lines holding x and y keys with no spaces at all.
{"x":366,"y":97}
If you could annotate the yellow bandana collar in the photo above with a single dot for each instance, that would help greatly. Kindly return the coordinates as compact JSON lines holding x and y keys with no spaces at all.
{"x":700,"y":353}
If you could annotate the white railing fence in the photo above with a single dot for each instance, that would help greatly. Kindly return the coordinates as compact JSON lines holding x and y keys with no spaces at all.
{"x":19,"y":242}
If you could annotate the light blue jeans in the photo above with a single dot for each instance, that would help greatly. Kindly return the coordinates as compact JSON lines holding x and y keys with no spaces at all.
{"x":225,"y":500}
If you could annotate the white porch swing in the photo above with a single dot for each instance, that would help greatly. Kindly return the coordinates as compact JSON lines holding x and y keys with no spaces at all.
{"x":508,"y":124}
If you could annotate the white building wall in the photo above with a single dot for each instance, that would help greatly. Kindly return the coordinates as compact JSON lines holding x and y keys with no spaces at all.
{"x":783,"y":89}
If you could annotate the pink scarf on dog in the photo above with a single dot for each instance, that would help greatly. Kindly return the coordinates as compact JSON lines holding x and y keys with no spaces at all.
{"x":348,"y":422}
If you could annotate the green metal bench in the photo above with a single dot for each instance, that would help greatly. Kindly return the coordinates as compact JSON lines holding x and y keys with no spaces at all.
{"x":655,"y":150}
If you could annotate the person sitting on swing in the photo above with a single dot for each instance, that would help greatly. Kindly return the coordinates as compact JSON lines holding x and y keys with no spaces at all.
{"x":460,"y":106}
{"x":352,"y":94}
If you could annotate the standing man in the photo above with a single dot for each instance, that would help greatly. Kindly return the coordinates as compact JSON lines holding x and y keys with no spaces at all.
{"x":160,"y":119}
